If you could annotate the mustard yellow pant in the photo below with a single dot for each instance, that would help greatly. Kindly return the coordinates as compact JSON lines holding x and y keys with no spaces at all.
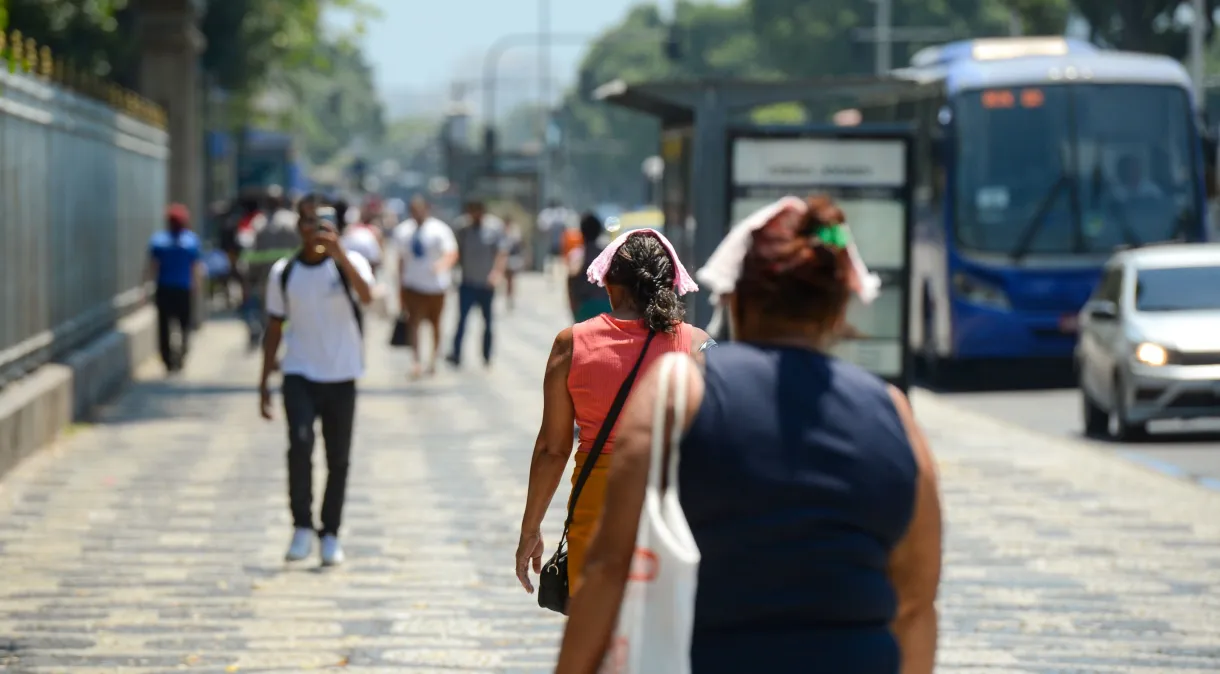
{"x":586,"y":516}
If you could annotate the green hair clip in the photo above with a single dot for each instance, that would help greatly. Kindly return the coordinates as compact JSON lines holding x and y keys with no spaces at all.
{"x":834,"y":235}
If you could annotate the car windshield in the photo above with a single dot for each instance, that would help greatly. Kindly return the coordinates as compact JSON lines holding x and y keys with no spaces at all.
{"x":1177,"y":289}
{"x":1077,"y":168}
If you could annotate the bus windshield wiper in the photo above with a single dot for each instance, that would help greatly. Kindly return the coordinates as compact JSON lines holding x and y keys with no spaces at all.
{"x":1035,"y":224}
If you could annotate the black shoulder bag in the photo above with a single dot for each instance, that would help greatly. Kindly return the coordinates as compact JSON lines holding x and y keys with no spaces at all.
{"x":553,"y":581}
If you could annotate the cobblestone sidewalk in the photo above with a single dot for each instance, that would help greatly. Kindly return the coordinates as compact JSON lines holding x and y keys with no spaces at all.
{"x":152,"y":542}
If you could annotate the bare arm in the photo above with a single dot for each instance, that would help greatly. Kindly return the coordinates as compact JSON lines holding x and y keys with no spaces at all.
{"x":499,"y":267}
{"x":552,"y":450}
{"x":915,"y":563}
{"x":271,"y":350}
{"x":447,"y":261}
{"x":594,"y":610}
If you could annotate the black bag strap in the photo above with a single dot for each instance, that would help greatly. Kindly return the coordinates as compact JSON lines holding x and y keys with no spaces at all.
{"x":604,"y":434}
{"x":347,"y":289}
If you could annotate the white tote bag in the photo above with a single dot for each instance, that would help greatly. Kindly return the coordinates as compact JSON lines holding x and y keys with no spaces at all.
{"x":657,"y":616}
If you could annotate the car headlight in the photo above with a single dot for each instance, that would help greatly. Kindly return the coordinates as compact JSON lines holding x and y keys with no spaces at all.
{"x":1151,"y":354}
{"x":979,"y":292}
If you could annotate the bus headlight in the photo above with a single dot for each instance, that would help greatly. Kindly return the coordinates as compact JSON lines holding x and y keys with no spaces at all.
{"x":982,"y":293}
{"x":1151,"y":354}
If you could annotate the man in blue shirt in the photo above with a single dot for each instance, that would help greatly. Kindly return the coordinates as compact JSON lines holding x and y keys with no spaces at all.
{"x":174,"y":259}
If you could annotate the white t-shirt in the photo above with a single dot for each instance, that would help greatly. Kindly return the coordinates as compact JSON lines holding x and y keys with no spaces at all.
{"x":322,"y":341}
{"x":437,"y":240}
{"x":362,"y":239}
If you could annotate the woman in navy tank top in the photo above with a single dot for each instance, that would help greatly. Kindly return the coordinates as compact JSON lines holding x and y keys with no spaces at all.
{"x":811,"y":492}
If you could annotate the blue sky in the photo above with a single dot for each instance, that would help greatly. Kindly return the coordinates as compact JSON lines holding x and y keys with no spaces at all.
{"x":419,"y":47}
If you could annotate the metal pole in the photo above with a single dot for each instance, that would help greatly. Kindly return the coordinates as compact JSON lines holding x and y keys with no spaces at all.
{"x":544,"y":94}
{"x":1198,"y":36}
{"x":885,"y":41}
{"x":491,"y":60}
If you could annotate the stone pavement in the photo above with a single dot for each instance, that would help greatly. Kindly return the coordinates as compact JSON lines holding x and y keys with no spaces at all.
{"x":152,"y":541}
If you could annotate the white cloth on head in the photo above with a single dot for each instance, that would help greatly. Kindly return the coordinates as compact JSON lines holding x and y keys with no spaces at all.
{"x":719,"y":276}
{"x":600,"y":266}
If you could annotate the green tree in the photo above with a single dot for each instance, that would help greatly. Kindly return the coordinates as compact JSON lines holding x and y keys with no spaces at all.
{"x":604,"y":145}
{"x":1141,"y":25}
{"x":1040,"y":17}
{"x":95,"y":35}
{"x":812,"y":39}
{"x":332,"y":107}
{"x":249,"y":41}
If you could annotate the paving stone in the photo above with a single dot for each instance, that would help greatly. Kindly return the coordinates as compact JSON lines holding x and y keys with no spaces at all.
{"x":153,"y":541}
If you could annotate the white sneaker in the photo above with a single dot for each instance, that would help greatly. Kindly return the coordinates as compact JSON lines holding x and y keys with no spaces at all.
{"x":301,"y":546}
{"x":332,"y":551}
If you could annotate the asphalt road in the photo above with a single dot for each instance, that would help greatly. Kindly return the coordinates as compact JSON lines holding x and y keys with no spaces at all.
{"x":1187,"y":449}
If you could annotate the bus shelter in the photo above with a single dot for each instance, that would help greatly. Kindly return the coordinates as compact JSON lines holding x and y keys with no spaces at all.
{"x":719,"y":167}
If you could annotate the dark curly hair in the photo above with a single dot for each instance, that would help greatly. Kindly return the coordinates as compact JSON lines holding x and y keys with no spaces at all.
{"x":789,"y":272}
{"x":642,"y":265}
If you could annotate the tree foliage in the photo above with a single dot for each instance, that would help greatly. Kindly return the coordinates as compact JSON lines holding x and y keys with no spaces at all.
{"x":810,"y":39}
{"x":605,"y":146}
{"x":249,"y":41}
{"x":95,"y":35}
{"x":251,"y":46}
{"x":336,"y":106}
{"x":1142,"y":25}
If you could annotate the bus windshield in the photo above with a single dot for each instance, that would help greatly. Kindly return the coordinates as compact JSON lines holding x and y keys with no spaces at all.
{"x":263,"y":168}
{"x":1074,"y":169}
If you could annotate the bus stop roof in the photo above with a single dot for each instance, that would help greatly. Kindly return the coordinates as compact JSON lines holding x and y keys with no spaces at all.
{"x":674,"y":101}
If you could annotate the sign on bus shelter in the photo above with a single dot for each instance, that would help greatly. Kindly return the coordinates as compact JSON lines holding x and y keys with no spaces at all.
{"x":868,"y":174}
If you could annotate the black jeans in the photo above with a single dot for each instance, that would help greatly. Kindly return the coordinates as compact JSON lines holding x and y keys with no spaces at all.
{"x":173,"y":306}
{"x":335,"y":404}
{"x":469,"y":297}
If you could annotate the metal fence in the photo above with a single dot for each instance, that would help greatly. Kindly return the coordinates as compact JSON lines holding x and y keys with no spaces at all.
{"x":82,"y":188}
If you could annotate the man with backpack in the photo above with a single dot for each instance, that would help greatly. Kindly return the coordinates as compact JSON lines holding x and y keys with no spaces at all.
{"x":318,"y":295}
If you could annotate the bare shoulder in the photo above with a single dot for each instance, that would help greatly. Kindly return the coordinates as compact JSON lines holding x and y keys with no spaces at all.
{"x":562,"y":347}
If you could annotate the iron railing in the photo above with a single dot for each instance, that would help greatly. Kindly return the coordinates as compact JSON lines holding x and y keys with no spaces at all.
{"x":83,"y":171}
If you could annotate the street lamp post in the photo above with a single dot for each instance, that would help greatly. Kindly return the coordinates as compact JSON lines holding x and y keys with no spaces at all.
{"x":1198,"y":37}
{"x":495,"y":53}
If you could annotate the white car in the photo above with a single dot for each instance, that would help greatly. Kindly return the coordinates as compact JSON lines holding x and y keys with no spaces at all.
{"x":1149,"y":344}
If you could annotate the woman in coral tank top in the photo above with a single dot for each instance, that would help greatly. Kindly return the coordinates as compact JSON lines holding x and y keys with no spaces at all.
{"x":589,"y":363}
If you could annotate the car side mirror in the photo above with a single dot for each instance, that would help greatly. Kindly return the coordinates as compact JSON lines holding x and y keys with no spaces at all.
{"x":1103,"y":310}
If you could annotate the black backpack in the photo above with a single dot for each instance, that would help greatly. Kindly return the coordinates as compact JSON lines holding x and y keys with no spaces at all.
{"x":347,"y":289}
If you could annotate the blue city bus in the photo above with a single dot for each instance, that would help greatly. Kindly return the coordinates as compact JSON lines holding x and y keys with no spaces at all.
{"x":267,"y":159}
{"x":1036,"y":159}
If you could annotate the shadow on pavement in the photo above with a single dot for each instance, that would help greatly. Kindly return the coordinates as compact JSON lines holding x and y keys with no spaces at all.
{"x":174,"y":398}
{"x":995,"y":376}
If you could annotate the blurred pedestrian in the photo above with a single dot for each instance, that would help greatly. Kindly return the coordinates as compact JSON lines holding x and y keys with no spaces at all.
{"x":585,"y":298}
{"x":591,"y":369}
{"x":516,"y":257}
{"x":174,"y":262}
{"x":277,"y":239}
{"x":482,"y":258}
{"x":427,"y":251}
{"x":809,"y":489}
{"x":551,"y":221}
{"x":317,"y":293}
{"x":361,"y":236}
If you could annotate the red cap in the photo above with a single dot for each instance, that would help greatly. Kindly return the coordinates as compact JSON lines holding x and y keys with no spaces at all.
{"x":178,"y":214}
